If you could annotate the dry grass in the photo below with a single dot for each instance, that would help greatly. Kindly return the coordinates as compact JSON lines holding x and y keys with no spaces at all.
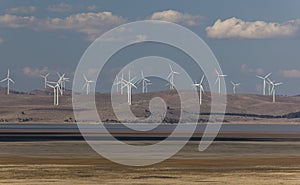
{"x":38,"y":108}
{"x":72,"y":163}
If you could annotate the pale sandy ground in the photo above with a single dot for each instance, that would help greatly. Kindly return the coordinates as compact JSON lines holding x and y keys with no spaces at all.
{"x":74,"y":163}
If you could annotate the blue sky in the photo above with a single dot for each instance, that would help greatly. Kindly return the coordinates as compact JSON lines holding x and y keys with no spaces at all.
{"x":48,"y":36}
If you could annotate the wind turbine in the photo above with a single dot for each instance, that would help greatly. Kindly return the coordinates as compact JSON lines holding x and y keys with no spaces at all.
{"x":201,"y":89}
{"x":264,"y":81}
{"x":235,"y":85}
{"x":273,"y":91}
{"x":56,"y":89}
{"x":117,"y":84}
{"x":87,"y":84}
{"x":63,"y":82}
{"x":8,"y":79}
{"x":218,"y":80}
{"x":145,"y":83}
{"x":129,"y":84}
{"x":171,"y":77}
{"x":45,"y":78}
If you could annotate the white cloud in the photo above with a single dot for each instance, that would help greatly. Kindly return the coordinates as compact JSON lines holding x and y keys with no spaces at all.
{"x":176,"y":17}
{"x":34,"y":72}
{"x":1,"y":40}
{"x":92,"y":8}
{"x":292,"y":73}
{"x":60,"y":8}
{"x":13,"y":21}
{"x":91,"y":24}
{"x":247,"y":69}
{"x":237,"y":28}
{"x":21,"y":9}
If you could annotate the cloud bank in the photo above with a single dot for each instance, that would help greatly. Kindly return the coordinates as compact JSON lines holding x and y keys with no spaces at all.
{"x":21,"y":9}
{"x":35,"y":72}
{"x":292,"y":73}
{"x":237,"y":28}
{"x":60,"y":8}
{"x":176,"y":17}
{"x":91,"y":24}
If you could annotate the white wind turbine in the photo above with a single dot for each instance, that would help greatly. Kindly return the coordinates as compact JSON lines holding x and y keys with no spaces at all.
{"x":171,"y":77}
{"x":87,"y":84}
{"x":264,"y":81}
{"x":117,"y":83}
{"x":63,"y":82}
{"x":235,"y":85}
{"x":218,"y":80}
{"x":45,"y":79}
{"x":56,"y":89}
{"x":273,"y":91}
{"x":145,"y":83}
{"x":201,"y":89}
{"x":8,"y":79}
{"x":129,"y":84}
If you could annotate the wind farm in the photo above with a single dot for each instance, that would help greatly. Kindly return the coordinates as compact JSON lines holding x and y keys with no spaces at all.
{"x":128,"y":85}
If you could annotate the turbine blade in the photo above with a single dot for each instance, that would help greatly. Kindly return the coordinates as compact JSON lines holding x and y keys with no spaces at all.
{"x":85,"y":78}
{"x":217,"y":80}
{"x":169,"y":75}
{"x":177,"y":73}
{"x":50,"y":86}
{"x":201,"y":88}
{"x":217,"y":72}
{"x":3,"y":80}
{"x":11,"y":80}
{"x":267,"y":76}
{"x":83,"y":87}
{"x":133,"y":85}
{"x":142,"y":74}
{"x":170,"y":67}
{"x":201,"y":81}
{"x":260,"y":77}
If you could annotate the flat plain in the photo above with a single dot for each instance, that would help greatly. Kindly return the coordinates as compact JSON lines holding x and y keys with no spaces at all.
{"x":73,"y":163}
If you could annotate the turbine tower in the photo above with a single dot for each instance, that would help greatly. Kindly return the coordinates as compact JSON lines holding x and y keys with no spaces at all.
{"x":218,"y":80}
{"x":171,"y":77}
{"x":264,"y":81}
{"x":145,"y":83}
{"x":129,"y":84}
{"x":45,"y":78}
{"x":8,"y":79}
{"x":273,"y":91}
{"x":201,"y":89}
{"x":235,"y":85}
{"x":269,"y":87}
{"x":87,"y":84}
